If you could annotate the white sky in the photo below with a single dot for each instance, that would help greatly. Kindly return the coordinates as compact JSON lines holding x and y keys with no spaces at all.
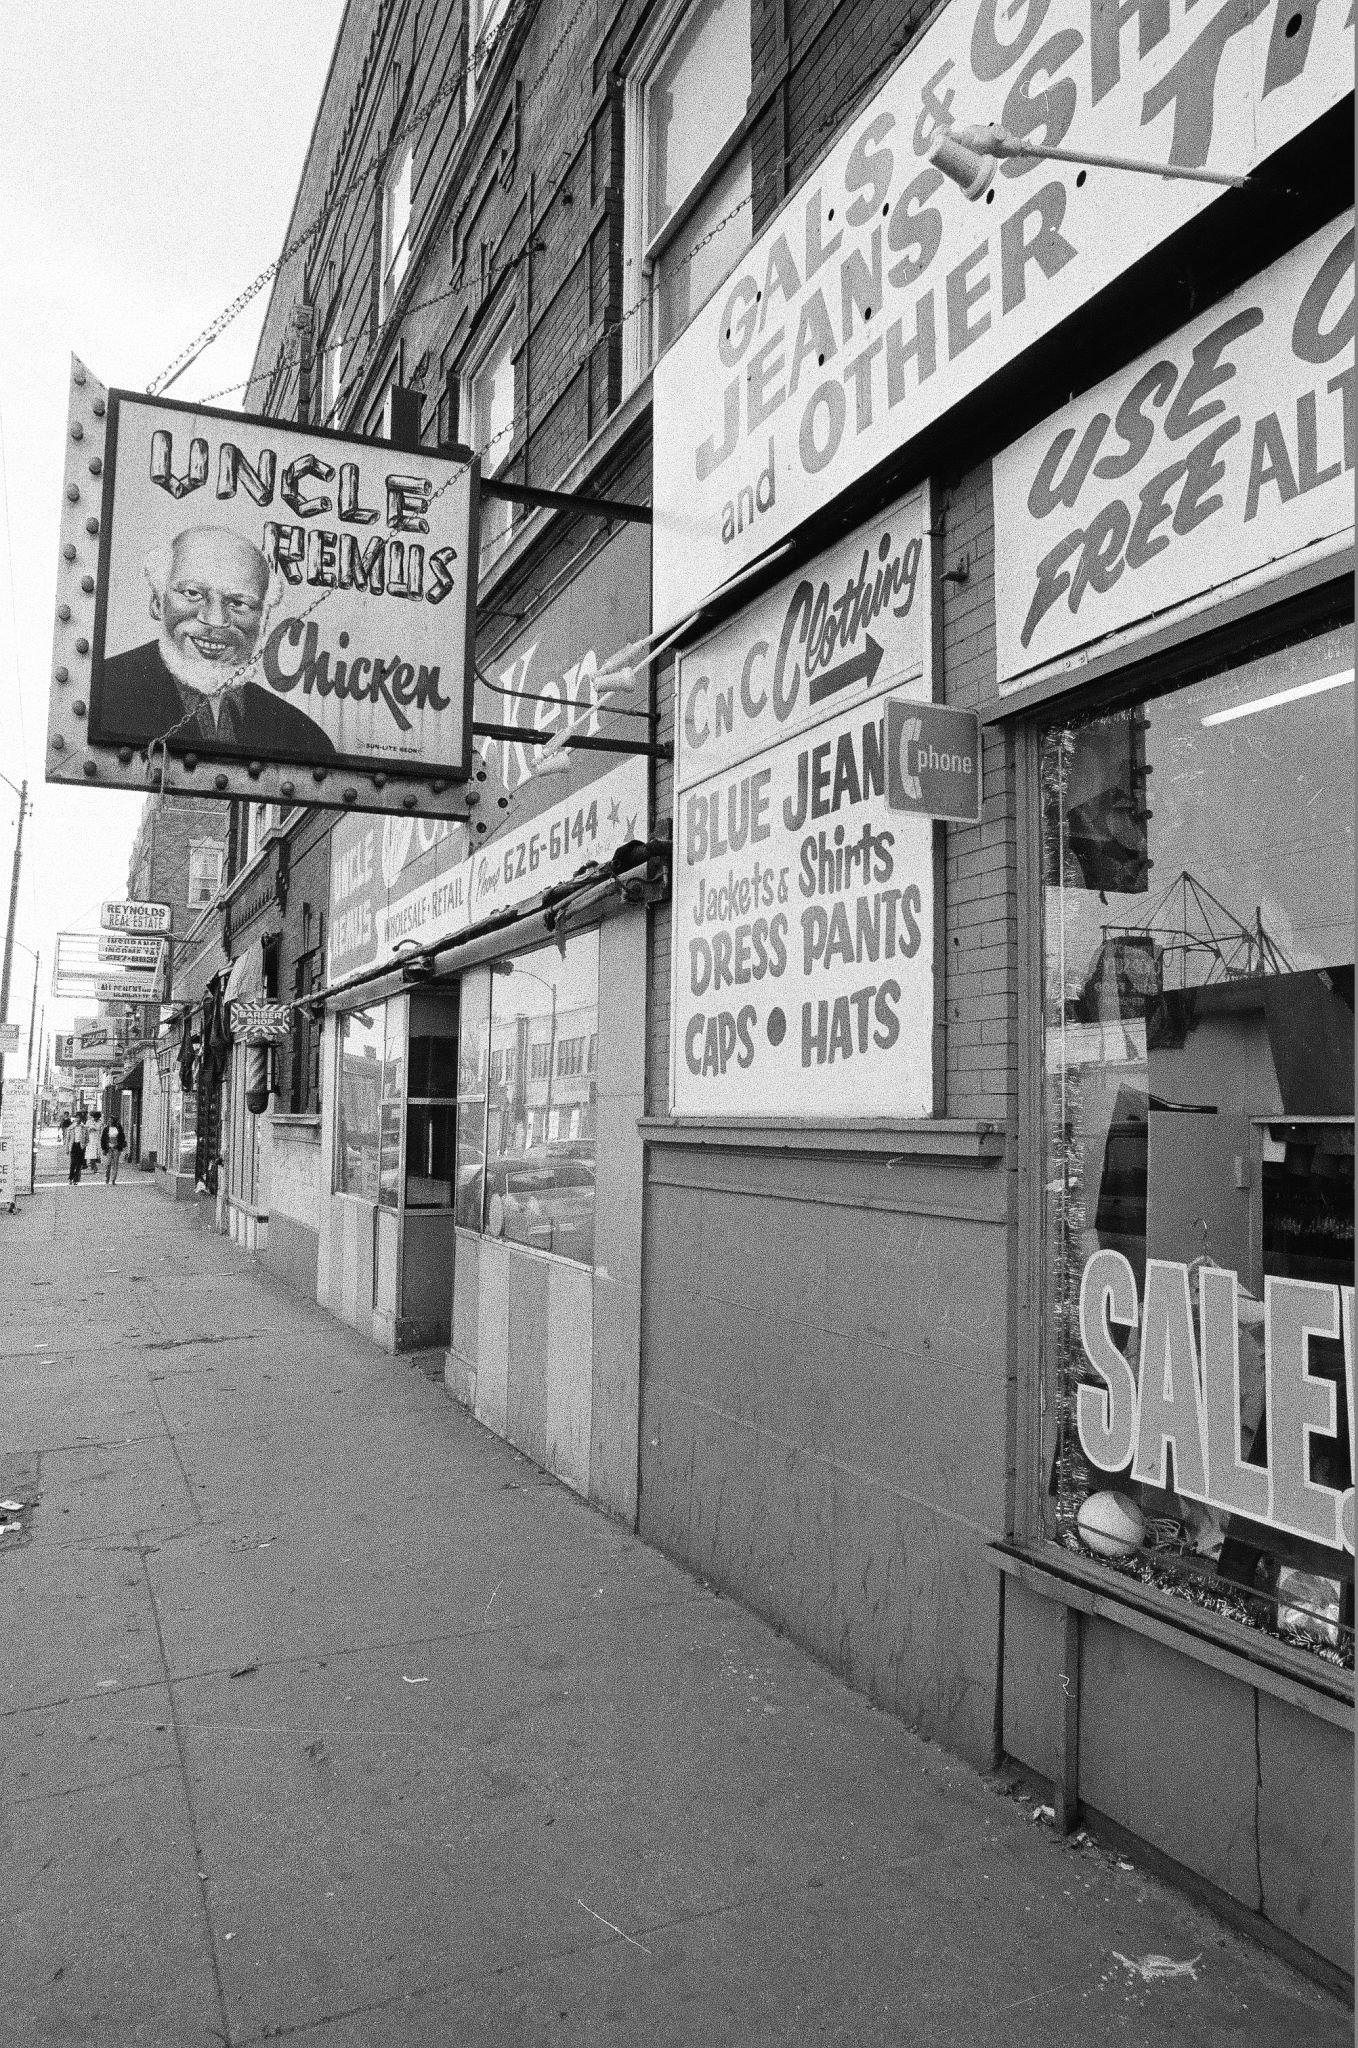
{"x":149,"y":157}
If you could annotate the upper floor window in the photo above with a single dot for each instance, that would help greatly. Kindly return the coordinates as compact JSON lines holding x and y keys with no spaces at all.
{"x":395,"y":226}
{"x":490,"y":402}
{"x":486,"y":17}
{"x":260,"y":821}
{"x":332,"y":366}
{"x":207,"y":857}
{"x":688,"y":177}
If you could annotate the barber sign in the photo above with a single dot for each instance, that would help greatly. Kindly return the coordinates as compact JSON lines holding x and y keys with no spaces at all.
{"x":933,"y":761}
{"x":255,"y":1022}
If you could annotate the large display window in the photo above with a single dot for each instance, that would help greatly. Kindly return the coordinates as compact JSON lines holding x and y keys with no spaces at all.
{"x":1198,"y":948}
{"x":358,"y":1101}
{"x":527,"y":1097}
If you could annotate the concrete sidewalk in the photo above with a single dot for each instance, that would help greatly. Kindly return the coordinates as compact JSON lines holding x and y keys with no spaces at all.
{"x":326,"y":1716}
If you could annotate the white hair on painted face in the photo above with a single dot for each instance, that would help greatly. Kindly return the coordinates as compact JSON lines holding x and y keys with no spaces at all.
{"x":210,"y":677}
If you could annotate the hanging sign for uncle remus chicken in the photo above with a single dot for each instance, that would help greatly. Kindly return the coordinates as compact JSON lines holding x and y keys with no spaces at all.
{"x":803,"y":917}
{"x":255,"y":609}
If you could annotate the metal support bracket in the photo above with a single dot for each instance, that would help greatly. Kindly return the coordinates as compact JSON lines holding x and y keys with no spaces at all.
{"x":563,"y":501}
{"x":588,"y":742}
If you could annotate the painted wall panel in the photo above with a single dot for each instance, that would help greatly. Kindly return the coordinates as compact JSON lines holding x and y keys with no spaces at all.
{"x":492,"y":1364}
{"x":1306,"y":1828}
{"x":530,"y":1342}
{"x":569,"y":1373}
{"x":823,"y":1414}
{"x":1033,"y":1657}
{"x":1144,"y":1713}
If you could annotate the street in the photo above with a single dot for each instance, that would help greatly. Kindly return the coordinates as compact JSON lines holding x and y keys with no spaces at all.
{"x":328,"y":1716}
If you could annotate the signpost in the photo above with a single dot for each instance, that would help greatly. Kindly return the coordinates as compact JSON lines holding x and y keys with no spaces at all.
{"x":122,"y":949}
{"x":135,"y":917}
{"x":16,"y":1126}
{"x":318,"y":588}
{"x":254,"y":1021}
{"x":933,"y":761}
{"x":126,"y":988}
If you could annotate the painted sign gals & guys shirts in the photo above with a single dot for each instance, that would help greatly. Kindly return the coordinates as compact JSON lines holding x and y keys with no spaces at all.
{"x":878,"y":296}
{"x":803,"y":905}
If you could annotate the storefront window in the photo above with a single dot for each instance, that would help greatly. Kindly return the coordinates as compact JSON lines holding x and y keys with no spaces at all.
{"x":471,"y":1099}
{"x":540,"y":1102}
{"x":431,"y":1103}
{"x":393,"y":1105}
{"x":358,"y":1111}
{"x":1199,"y":1059}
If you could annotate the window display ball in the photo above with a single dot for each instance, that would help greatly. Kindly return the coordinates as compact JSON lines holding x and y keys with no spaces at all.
{"x":1111,"y":1525}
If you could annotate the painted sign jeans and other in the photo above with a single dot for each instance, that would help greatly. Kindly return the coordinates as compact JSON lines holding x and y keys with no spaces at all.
{"x":1170,"y":1408}
{"x":878,"y":296}
{"x":1226,"y":449}
{"x":803,"y":907}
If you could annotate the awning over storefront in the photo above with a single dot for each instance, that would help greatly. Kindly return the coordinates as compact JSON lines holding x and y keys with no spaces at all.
{"x":247,"y":974}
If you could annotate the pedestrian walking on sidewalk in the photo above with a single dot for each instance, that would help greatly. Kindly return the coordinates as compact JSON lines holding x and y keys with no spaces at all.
{"x":76,"y":1136}
{"x":113,"y":1143}
{"x":93,"y":1148}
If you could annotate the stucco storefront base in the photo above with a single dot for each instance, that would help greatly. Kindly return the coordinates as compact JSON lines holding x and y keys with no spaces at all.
{"x":824,"y":1403}
{"x":1246,"y":1790}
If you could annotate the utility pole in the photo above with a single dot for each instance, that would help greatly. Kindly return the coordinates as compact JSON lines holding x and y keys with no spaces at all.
{"x":33,"y":1008}
{"x":8,"y":962}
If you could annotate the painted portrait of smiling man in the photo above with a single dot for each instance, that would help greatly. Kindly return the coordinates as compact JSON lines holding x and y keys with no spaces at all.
{"x":194,"y":683}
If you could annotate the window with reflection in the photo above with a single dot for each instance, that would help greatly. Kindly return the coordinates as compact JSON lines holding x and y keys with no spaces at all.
{"x":472,"y":1070}
{"x":358,"y":1101}
{"x":541,"y":1099}
{"x":1198,"y":946}
{"x":693,"y":214}
{"x":431,"y":1101}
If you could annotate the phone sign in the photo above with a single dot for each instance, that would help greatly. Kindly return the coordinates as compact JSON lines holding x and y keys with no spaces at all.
{"x":933,"y":760}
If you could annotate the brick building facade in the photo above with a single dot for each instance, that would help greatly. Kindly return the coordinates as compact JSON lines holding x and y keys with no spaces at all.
{"x":832,"y":1360}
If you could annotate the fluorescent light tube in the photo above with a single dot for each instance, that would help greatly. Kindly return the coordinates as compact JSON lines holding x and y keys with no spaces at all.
{"x":1299,"y":690}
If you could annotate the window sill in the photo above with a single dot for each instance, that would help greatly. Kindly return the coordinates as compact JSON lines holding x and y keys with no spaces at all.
{"x":1272,"y":1667}
{"x":528,"y":1251}
{"x":929,"y":1138}
{"x":288,"y":1121}
{"x":528,"y":530}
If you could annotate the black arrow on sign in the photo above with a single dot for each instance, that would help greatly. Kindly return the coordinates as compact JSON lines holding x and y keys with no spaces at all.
{"x":860,"y":668}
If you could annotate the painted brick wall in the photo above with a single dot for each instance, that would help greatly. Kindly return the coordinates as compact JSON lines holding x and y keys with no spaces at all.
{"x":980,"y":978}
{"x":158,"y":868}
{"x":516,"y":212}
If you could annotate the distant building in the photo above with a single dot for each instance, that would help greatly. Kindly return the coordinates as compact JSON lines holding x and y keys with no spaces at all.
{"x":178,"y":857}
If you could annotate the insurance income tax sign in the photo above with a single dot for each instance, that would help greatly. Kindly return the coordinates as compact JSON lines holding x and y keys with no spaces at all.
{"x":802,"y":977}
